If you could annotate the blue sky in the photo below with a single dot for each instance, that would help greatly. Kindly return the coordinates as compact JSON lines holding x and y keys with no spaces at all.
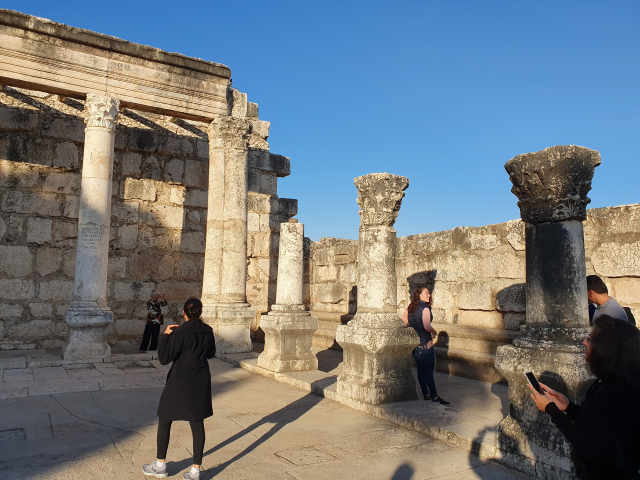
{"x":443,"y":92}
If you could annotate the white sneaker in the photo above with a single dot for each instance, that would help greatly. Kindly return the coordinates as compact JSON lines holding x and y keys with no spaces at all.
{"x":153,"y":470}
{"x":191,"y":476}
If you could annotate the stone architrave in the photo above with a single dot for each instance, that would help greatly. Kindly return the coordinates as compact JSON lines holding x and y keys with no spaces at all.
{"x":88,"y":315}
{"x":377,"y":345}
{"x":552,"y":187}
{"x":288,"y":327}
{"x":224,"y":296}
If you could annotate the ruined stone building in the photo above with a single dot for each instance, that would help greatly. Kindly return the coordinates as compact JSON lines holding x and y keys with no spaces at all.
{"x":159,"y":198}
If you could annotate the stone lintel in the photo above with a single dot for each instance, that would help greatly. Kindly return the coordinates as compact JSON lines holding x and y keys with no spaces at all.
{"x":47,"y":56}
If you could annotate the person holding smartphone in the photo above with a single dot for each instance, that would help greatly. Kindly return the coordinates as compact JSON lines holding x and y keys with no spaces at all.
{"x":604,"y":431}
{"x":187,"y":393}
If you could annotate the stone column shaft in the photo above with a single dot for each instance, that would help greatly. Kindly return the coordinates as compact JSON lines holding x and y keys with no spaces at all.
{"x":288,"y":327}
{"x":224,"y":284}
{"x":552,"y":187}
{"x":376,"y":343}
{"x":88,"y":315}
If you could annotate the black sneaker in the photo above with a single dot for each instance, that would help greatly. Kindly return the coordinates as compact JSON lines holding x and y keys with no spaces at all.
{"x":441,"y":401}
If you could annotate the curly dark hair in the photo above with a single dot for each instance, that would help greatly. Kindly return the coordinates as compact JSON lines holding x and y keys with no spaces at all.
{"x":193,"y":308}
{"x":415,"y":299}
{"x":615,"y":351}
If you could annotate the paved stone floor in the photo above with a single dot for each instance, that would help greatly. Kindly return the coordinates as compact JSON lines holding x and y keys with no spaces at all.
{"x":261,"y":429}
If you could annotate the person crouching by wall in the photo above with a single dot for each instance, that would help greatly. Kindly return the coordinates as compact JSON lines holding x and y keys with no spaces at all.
{"x":604,"y":431}
{"x":187,"y":393}
{"x":418,"y":315}
{"x":154,"y":320}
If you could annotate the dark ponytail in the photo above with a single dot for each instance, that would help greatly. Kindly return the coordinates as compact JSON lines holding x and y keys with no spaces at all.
{"x":193,"y":308}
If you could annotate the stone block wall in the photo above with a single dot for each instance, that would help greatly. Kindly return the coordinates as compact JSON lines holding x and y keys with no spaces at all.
{"x":158,"y":220}
{"x":478,"y":273}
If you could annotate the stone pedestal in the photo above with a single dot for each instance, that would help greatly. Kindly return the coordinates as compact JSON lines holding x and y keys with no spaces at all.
{"x":552,"y":187}
{"x":88,"y":316}
{"x":377,"y":345}
{"x":288,"y":327}
{"x":224,"y":297}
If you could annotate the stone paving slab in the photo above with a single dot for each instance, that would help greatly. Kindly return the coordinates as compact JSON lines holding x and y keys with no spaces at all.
{"x":52,"y":357}
{"x":470,"y":422}
{"x":260,"y":430}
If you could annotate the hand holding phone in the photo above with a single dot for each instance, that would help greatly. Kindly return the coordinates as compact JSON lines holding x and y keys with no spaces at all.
{"x":533,"y":381}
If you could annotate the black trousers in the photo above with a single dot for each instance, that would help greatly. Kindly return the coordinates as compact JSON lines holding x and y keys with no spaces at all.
{"x":197,"y":432}
{"x":151,"y":332}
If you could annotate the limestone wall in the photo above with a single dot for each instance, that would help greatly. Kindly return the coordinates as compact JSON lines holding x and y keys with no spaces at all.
{"x":158,"y":218}
{"x":478,"y":273}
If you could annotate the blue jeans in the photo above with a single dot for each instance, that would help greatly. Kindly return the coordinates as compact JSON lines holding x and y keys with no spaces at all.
{"x":426,"y":363}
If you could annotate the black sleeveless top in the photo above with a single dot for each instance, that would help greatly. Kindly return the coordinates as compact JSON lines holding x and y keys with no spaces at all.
{"x":415,"y":321}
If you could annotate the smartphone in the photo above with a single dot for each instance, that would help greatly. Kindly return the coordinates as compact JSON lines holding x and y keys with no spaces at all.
{"x":531,"y":378}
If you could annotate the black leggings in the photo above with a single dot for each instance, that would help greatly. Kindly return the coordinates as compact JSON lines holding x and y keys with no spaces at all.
{"x":197,"y":432}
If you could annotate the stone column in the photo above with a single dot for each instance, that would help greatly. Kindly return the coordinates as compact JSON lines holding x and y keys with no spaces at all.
{"x":288,"y":327}
{"x":377,"y":344}
{"x":88,"y":316}
{"x":224,"y":295}
{"x":552,"y":187}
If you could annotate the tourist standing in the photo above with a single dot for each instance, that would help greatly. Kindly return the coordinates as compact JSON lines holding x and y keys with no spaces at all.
{"x":187,"y":393}
{"x":604,"y":431}
{"x":418,"y":315}
{"x":154,"y":320}
{"x":598,"y":294}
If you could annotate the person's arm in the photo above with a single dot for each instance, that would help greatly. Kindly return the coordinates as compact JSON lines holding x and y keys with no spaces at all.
{"x":211,"y":352}
{"x":601,"y":427}
{"x":169,"y":346}
{"x":405,"y":316}
{"x":426,"y":321}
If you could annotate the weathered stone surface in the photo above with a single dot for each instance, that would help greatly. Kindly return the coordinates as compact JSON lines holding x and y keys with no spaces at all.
{"x":15,"y":261}
{"x":512,"y":298}
{"x":48,"y":260}
{"x":18,"y":119}
{"x":139,"y":190}
{"x":331,"y":292}
{"x":3,"y":228}
{"x":67,"y":183}
{"x":288,"y":337}
{"x":552,"y":184}
{"x":627,"y":291}
{"x":475,"y":296}
{"x":26,"y":202}
{"x":66,"y":155}
{"x":56,"y":290}
{"x":131,"y":164}
{"x":39,"y":230}
{"x":166,"y":216}
{"x":479,"y":318}
{"x":15,"y":289}
{"x":195,"y":174}
{"x":617,"y":259}
{"x":128,"y":235}
{"x":41,"y":310}
{"x":10,"y":311}
{"x":174,"y":170}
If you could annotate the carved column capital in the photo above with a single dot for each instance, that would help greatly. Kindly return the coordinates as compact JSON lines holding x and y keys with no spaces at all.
{"x":102,"y":111}
{"x":228,"y":133}
{"x":552,"y":184}
{"x":380,"y":196}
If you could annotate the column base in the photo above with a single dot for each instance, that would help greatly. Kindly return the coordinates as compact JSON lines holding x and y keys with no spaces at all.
{"x":288,"y":334}
{"x":527,"y":431}
{"x":377,"y":359}
{"x":87,"y":334}
{"x":231,"y":324}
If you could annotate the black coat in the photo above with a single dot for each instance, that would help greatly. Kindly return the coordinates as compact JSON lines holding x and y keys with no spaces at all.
{"x":187,"y":394}
{"x":604,"y":431}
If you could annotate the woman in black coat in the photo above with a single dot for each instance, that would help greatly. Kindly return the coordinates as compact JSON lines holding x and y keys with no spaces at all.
{"x":604,"y":431}
{"x":187,"y":393}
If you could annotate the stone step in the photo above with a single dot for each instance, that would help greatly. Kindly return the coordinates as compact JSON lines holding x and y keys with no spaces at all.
{"x":326,"y":339}
{"x":463,"y":363}
{"x":473,"y":339}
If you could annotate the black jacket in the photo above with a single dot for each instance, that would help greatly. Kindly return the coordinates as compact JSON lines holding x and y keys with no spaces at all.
{"x":604,"y":431}
{"x":187,"y":394}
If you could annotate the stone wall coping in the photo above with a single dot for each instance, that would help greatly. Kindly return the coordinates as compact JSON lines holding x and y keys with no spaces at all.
{"x":109,"y":43}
